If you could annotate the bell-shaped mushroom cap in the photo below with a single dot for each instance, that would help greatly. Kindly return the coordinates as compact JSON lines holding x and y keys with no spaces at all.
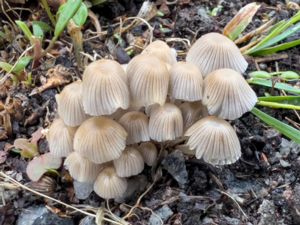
{"x":148,"y":80}
{"x":60,"y":138}
{"x":137,"y":126}
{"x":100,"y":139}
{"x":165,"y":123}
{"x":109,"y":185}
{"x":149,"y":152}
{"x":81,"y":169}
{"x":161,"y":50}
{"x":214,"y":140}
{"x":191,"y":112}
{"x":215,"y":51}
{"x":227,"y":94}
{"x":130,"y":163}
{"x":69,"y":104}
{"x":186,"y":82}
{"x":104,"y":88}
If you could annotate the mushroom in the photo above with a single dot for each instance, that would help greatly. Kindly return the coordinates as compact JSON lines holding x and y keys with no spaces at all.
{"x":162,"y":51}
{"x":165,"y":123}
{"x":109,"y":185}
{"x":186,"y":82}
{"x":81,"y":169}
{"x":136,"y":124}
{"x":69,"y":104}
{"x":214,"y":140}
{"x":191,"y":112}
{"x":149,"y":152}
{"x":148,"y":80}
{"x":227,"y":94}
{"x":214,"y":51}
{"x":100,"y":139}
{"x":104,"y":88}
{"x":60,"y":138}
{"x":130,"y":163}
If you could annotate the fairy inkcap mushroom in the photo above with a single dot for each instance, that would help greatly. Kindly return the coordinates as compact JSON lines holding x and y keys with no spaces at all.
{"x":214,"y":51}
{"x":100,"y":139}
{"x":148,"y":80}
{"x":186,"y":82}
{"x":69,"y":104}
{"x":149,"y":152}
{"x":137,"y":125}
{"x":214,"y":140}
{"x":191,"y":112}
{"x":227,"y":94}
{"x":130,"y":163}
{"x":81,"y":169}
{"x":165,"y":123}
{"x":60,"y":138}
{"x":109,"y":185}
{"x":104,"y":88}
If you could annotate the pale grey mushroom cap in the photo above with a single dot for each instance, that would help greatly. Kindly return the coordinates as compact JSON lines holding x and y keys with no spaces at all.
{"x":69,"y":104}
{"x":149,"y":152}
{"x":227,"y":94}
{"x":104,"y":88}
{"x":109,"y":185}
{"x":214,"y":51}
{"x":186,"y":82}
{"x":137,"y":125}
{"x":60,"y":138}
{"x":214,"y":140}
{"x":165,"y":123}
{"x":100,"y":139}
{"x":130,"y":163}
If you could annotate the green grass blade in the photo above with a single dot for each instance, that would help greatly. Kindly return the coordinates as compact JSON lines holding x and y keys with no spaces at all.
{"x":278,"y":85}
{"x":277,"y":105}
{"x":23,"y":26}
{"x":293,"y":100}
{"x":81,"y":15}
{"x":283,"y":128}
{"x":21,"y":64}
{"x":40,"y":28}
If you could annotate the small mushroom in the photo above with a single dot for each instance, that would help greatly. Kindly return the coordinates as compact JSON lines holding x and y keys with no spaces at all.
{"x":104,"y":88}
{"x":60,"y":138}
{"x":130,"y":163}
{"x":69,"y":104}
{"x":137,"y":126}
{"x":149,"y":152}
{"x":148,"y":80}
{"x":165,"y":123}
{"x":109,"y":185}
{"x":227,"y":94}
{"x":186,"y":82}
{"x":191,"y":112}
{"x":214,"y":51}
{"x":100,"y":139}
{"x":214,"y":140}
{"x":81,"y":169}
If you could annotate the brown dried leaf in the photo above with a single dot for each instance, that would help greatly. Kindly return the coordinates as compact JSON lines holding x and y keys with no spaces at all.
{"x":28,"y":150}
{"x":3,"y":156}
{"x":6,"y":122}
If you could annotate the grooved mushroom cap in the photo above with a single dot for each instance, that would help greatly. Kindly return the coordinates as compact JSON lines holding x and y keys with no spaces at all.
{"x":130,"y":163}
{"x":161,"y":50}
{"x":69,"y":104}
{"x":149,"y":152}
{"x":165,"y":123}
{"x":148,"y":80}
{"x":81,"y":169}
{"x":104,"y":88}
{"x":137,"y":126}
{"x":100,"y":139}
{"x":214,"y":51}
{"x":109,"y":185}
{"x":214,"y":140}
{"x":60,"y":138}
{"x":191,"y":112}
{"x":227,"y":94}
{"x":186,"y":82}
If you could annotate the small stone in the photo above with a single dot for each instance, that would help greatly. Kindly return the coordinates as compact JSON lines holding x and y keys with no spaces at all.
{"x":82,"y":190}
{"x":88,"y":220}
{"x":231,"y":221}
{"x":202,"y":12}
{"x":267,"y":213}
{"x":284,"y":163}
{"x":162,"y":214}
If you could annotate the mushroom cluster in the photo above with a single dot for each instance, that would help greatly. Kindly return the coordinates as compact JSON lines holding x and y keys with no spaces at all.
{"x":111,"y":122}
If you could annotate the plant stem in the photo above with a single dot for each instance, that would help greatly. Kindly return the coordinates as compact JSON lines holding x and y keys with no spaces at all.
{"x":48,"y":11}
{"x":278,"y":105}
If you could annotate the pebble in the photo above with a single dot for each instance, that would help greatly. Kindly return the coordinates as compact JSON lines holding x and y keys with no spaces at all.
{"x":162,"y":214}
{"x":267,"y":213}
{"x":82,"y":190}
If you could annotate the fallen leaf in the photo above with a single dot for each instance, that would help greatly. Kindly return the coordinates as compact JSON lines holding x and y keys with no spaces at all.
{"x":3,"y":156}
{"x":28,"y":150}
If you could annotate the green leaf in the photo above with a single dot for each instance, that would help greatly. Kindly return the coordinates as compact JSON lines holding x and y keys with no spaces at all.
{"x":6,"y":66}
{"x":28,"y":150}
{"x":260,"y":74}
{"x":81,"y":15}
{"x":40,"y":28}
{"x":278,"y":85}
{"x":283,"y":128}
{"x":21,"y":64}
{"x":293,"y":100}
{"x":23,"y":26}
{"x":289,"y":75}
{"x":65,"y":13}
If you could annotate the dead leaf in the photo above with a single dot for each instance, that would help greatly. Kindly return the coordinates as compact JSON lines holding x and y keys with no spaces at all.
{"x":5,"y":122}
{"x":28,"y":150}
{"x":3,"y":156}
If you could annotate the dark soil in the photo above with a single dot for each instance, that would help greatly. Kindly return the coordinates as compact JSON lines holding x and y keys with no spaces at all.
{"x":263,"y":184}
